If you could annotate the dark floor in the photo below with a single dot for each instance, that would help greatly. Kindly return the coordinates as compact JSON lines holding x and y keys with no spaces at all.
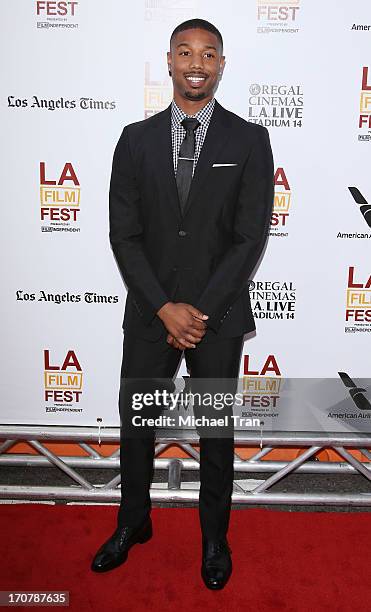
{"x":299,"y":483}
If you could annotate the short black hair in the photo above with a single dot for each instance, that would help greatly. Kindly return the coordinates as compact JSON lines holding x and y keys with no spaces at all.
{"x":198,"y":23}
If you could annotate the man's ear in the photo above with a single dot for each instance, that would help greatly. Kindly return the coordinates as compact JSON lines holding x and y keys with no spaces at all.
{"x":168,"y":56}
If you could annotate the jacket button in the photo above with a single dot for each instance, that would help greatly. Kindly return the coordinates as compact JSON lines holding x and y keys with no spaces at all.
{"x":182,"y":233}
{"x":175,"y":269}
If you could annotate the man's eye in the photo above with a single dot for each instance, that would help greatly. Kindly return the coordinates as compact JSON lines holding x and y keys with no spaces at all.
{"x":210,"y":54}
{"x":181,"y":53}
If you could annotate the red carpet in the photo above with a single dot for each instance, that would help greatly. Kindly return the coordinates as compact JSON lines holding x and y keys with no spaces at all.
{"x":283,"y":561}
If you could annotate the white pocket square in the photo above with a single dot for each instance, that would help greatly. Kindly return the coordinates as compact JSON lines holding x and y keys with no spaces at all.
{"x":219,"y":165}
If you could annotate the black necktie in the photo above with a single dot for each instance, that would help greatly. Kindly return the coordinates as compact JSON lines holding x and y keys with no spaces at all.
{"x":185,"y":160}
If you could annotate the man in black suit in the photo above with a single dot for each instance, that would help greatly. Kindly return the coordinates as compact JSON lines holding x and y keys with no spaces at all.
{"x":190,"y":204}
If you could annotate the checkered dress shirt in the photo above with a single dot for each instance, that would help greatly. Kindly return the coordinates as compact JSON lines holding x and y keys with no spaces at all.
{"x":178,"y":131}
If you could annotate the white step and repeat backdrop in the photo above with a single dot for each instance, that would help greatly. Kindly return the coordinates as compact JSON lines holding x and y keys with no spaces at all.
{"x":73,"y":74}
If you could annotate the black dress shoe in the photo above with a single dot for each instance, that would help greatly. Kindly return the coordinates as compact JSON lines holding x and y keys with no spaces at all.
{"x":115,"y":551}
{"x":216,"y":563}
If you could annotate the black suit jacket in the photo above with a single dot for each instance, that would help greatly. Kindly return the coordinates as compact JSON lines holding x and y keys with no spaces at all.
{"x":206,"y":255}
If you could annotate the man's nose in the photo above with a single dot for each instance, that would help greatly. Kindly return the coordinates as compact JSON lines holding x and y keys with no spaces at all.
{"x":197,"y":61}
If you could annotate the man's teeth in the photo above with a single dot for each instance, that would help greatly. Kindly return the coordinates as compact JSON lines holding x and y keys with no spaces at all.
{"x":195,"y":79}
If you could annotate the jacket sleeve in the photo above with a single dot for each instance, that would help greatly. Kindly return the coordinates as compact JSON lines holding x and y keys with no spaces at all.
{"x":126,"y":234}
{"x":251,"y":225}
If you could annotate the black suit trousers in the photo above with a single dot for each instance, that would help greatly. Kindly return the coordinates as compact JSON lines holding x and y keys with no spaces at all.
{"x":142,"y":358}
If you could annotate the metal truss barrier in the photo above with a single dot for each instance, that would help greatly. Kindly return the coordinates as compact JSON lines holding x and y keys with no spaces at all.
{"x":250,"y":491}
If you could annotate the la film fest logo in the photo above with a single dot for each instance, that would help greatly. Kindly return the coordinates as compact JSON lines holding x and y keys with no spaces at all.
{"x":273,"y":299}
{"x":57,"y":15}
{"x":358,"y":302}
{"x":157,"y":91}
{"x":174,"y":11}
{"x":364,"y":121}
{"x":275,"y":16}
{"x":63,"y":383}
{"x":276,"y":105}
{"x":59,"y":200}
{"x":261,"y":386}
{"x":281,"y":205}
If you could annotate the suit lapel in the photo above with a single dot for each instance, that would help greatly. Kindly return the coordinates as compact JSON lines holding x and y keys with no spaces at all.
{"x":216,"y":137}
{"x":163,"y":154}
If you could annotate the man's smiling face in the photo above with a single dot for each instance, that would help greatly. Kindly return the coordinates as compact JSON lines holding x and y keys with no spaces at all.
{"x":195,"y":61}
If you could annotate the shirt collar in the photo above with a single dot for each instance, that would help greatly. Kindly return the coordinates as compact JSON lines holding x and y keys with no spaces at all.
{"x":203,"y":115}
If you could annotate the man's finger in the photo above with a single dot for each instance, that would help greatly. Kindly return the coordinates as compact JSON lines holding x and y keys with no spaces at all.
{"x":197,"y":323}
{"x":199,"y":332}
{"x":185,"y":343}
{"x":173,"y":342}
{"x":193,"y":339}
{"x":197,"y":313}
{"x":195,"y":334}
